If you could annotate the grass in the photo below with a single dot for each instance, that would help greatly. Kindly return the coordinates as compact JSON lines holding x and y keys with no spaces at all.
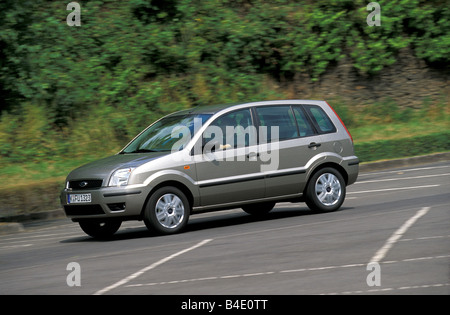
{"x":394,"y":131}
{"x":364,"y":126}
{"x":36,"y":173}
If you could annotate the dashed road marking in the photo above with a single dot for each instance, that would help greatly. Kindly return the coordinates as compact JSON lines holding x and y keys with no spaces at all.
{"x":400,"y":178}
{"x":15,"y":246}
{"x":424,"y":238}
{"x":234,"y":276}
{"x":405,"y":170}
{"x":391,"y":189}
{"x":434,"y":285}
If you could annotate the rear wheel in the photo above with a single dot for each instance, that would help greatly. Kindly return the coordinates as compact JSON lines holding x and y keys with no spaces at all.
{"x":100,"y":229}
{"x":167,"y":211}
{"x":259,"y":208}
{"x":325,"y":191}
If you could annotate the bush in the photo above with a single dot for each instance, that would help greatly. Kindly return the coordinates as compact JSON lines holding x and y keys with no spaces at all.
{"x":397,"y":148}
{"x":27,"y":135}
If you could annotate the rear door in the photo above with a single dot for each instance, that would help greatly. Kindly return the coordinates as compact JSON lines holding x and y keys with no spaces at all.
{"x":298,"y":142}
{"x":325,"y":127}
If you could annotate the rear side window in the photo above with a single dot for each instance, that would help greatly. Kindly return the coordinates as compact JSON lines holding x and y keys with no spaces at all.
{"x":304,"y":126}
{"x":280,"y":117}
{"x":320,"y":119}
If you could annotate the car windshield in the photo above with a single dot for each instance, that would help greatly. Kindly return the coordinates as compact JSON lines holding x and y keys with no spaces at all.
{"x":171,"y":133}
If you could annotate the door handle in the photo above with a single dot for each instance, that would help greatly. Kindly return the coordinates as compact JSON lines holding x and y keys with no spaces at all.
{"x":252,"y":154}
{"x":314,"y":145}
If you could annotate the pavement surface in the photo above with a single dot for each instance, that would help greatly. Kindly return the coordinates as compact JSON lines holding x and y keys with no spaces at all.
{"x":392,"y":236}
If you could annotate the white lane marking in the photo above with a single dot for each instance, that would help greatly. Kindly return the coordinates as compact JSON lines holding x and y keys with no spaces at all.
{"x":424,"y":238}
{"x":381,"y":253}
{"x":424,"y":286}
{"x":230,"y":276}
{"x":15,"y":246}
{"x":44,"y":238}
{"x":391,"y":189}
{"x":150,"y":267}
{"x":400,"y":178}
{"x":233,"y":276}
{"x":434,"y":285}
{"x":31,"y":236}
{"x":406,"y":170}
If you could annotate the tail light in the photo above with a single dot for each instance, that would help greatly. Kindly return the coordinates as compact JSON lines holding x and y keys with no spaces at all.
{"x":348,"y":132}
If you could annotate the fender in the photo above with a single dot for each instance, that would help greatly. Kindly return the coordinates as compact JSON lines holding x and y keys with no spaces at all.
{"x":173,"y":175}
{"x":322,"y":158}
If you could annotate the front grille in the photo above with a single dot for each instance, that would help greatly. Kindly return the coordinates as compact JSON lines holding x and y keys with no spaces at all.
{"x":83,"y":210}
{"x":85,"y":184}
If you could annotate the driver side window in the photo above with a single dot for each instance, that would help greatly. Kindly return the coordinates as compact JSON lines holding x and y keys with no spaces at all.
{"x":231,"y":130}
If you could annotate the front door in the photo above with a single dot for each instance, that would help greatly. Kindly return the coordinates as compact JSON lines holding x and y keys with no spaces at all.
{"x":228,"y":168}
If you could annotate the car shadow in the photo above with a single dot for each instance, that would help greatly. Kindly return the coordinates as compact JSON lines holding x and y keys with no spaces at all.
{"x":212,"y":221}
{"x":238,"y":218}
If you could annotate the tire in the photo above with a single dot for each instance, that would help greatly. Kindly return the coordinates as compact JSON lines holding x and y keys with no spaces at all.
{"x":325,"y":191}
{"x":167,"y":211}
{"x":259,"y":209}
{"x":100,"y":229}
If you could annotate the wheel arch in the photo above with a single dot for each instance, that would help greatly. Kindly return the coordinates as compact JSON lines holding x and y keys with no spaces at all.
{"x":173,"y":183}
{"x":336,"y":166}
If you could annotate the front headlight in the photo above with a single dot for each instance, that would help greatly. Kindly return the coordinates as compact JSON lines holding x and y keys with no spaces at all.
{"x":120,"y":177}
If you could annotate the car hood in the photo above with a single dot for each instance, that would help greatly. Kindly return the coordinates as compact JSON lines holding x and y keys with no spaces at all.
{"x":103,"y":168}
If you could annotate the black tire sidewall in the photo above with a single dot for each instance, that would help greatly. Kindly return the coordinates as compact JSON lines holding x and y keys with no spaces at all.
{"x":311,"y":198}
{"x":150,"y":219}
{"x":100,"y":228}
{"x":259,"y":209}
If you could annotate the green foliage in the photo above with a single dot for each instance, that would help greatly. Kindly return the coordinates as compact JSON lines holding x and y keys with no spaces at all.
{"x":69,"y":90}
{"x":8,"y":124}
{"x":123,"y":46}
{"x":90,"y":134}
{"x":397,"y":148}
{"x":27,"y":136}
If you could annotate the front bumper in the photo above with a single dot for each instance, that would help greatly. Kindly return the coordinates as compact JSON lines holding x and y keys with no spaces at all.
{"x":106,"y":202}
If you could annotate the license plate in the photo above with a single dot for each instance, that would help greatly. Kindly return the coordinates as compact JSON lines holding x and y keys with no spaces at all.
{"x":79,"y":198}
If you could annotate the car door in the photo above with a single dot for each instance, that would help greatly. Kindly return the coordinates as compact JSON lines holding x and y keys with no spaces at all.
{"x":325,"y":127}
{"x":228,"y":169}
{"x":298,"y":142}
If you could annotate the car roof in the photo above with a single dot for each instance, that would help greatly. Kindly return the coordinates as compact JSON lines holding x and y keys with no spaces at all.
{"x":213,"y":109}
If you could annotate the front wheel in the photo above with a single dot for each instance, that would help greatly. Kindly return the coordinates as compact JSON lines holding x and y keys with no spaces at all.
{"x":167,"y":211}
{"x":325,"y":191}
{"x":100,"y":229}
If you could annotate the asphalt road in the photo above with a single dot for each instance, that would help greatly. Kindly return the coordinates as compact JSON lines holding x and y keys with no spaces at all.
{"x":397,"y":220}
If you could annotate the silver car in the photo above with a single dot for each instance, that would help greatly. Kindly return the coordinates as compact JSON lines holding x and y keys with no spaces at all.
{"x":248,"y":155}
